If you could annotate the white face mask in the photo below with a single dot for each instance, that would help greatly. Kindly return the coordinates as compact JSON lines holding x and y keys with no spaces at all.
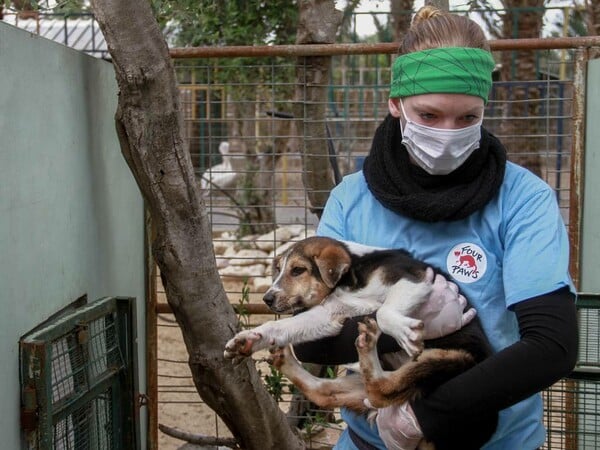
{"x":439,"y":151}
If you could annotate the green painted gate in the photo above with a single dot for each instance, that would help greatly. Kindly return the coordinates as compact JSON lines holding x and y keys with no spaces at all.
{"x":77,"y":379}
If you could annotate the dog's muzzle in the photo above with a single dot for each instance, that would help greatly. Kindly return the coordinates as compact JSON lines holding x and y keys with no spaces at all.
{"x":269,"y":299}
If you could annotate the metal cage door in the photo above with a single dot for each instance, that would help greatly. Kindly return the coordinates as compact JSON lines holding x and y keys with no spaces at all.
{"x":77,"y":379}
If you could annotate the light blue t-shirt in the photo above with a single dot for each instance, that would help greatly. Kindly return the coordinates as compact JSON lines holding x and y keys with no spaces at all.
{"x":514,"y":248}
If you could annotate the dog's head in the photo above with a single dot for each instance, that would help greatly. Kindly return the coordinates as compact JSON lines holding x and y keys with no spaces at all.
{"x":306,"y":273}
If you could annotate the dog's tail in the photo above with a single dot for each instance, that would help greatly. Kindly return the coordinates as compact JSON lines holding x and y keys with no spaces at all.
{"x":417,"y":378}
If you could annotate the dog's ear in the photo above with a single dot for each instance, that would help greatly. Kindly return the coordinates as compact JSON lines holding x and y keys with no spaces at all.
{"x":333,"y":261}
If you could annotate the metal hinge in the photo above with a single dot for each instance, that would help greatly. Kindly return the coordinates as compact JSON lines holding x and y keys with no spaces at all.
{"x":29,"y":409}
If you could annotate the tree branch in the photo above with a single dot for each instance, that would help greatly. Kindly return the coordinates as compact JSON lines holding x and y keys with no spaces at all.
{"x":198,"y":439}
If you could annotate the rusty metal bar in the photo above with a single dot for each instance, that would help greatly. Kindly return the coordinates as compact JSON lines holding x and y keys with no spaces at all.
{"x":362,"y":49}
{"x":151,"y":339}
{"x":577,"y":162}
{"x":576,"y":219}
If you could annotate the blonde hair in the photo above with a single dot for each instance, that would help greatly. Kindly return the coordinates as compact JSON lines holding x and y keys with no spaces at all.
{"x":433,"y":28}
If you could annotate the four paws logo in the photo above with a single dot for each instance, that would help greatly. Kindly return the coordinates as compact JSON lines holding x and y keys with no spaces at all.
{"x":466,"y":262}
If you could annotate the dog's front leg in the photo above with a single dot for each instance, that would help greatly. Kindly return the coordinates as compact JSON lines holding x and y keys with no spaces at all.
{"x":397,"y":318}
{"x":312,"y":324}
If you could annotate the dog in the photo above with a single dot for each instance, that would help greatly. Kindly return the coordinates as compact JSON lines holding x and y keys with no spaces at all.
{"x":325,"y":282}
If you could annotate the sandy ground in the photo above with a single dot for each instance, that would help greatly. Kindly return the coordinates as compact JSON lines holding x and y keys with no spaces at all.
{"x":179,"y":404}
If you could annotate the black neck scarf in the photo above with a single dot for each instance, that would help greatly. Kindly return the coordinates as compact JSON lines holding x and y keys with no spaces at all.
{"x":405,"y":188}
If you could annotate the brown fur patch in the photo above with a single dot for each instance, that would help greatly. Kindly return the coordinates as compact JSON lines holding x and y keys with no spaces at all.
{"x":308,"y":272}
{"x":326,"y":392}
{"x":415,"y":378}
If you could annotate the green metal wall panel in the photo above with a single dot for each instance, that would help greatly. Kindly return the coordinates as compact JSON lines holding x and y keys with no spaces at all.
{"x":71,"y":215}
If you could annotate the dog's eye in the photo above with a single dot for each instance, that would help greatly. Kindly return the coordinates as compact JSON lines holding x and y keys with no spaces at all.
{"x":298,"y":271}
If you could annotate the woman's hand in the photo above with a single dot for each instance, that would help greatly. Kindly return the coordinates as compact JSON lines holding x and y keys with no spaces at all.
{"x":444,"y":312}
{"x":398,"y":427}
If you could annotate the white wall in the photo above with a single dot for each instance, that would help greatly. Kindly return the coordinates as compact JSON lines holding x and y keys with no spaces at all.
{"x":71,"y":215}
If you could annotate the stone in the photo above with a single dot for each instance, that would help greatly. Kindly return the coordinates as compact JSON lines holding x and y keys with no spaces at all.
{"x":241,"y":272}
{"x":261,"y":284}
{"x":273,"y":239}
{"x":248,"y":257}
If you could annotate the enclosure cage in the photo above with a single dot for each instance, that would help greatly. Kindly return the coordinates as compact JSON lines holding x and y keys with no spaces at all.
{"x":260,"y":196}
{"x":571,"y":411}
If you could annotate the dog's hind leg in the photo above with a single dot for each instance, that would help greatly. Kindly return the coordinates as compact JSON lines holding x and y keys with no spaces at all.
{"x":328,"y":393}
{"x":411,"y":380}
{"x":366,"y":346}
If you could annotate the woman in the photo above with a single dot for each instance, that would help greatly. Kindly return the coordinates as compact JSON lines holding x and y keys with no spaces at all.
{"x":438,"y":184}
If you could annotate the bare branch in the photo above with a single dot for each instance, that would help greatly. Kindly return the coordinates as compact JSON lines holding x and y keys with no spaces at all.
{"x":197,"y":439}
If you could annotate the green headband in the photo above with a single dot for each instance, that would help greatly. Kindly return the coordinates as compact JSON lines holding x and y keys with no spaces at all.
{"x":445,"y":70}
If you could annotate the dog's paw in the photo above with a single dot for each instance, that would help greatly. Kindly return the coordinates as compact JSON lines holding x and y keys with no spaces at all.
{"x":410,"y":336}
{"x":408,"y":332}
{"x":413,"y":340}
{"x":242,"y":345}
{"x":368,"y":335}
{"x":278,"y":356}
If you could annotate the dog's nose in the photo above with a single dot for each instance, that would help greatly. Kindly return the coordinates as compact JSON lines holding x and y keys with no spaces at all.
{"x":269,"y":299}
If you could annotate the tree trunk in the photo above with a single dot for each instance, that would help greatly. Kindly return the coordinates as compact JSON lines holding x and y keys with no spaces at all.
{"x":523,"y":19}
{"x":150,"y":128}
{"x":401,"y":17}
{"x":255,"y":190}
{"x":443,"y":5}
{"x":318,"y":23}
{"x":593,"y":25}
{"x":593,"y":11}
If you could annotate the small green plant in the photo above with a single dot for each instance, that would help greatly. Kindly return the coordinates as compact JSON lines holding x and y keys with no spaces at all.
{"x":315,"y":422}
{"x":243,"y":315}
{"x":276,"y":384}
{"x":331,"y":372}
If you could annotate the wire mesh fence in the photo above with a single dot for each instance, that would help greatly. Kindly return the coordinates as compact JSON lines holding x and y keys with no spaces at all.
{"x":260,"y":113}
{"x":87,"y":427}
{"x":250,"y":127}
{"x":252,"y":133}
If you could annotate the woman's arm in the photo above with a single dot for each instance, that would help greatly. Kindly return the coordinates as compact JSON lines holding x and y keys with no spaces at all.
{"x":340,"y":349}
{"x":546,"y":352}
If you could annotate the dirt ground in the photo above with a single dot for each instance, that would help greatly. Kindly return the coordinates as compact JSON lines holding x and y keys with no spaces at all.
{"x":179,"y":404}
